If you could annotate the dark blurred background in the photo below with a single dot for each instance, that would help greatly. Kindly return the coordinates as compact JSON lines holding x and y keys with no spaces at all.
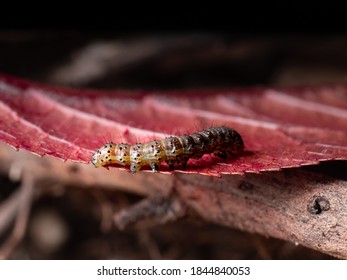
{"x":176,"y":46}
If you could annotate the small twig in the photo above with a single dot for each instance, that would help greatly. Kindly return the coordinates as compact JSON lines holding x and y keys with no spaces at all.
{"x":151,"y":211}
{"x":105,"y":209}
{"x":150,"y":245}
{"x":8,"y":210}
{"x":19,"y":203}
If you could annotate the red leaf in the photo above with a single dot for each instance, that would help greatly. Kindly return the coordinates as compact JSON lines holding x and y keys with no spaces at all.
{"x":281,"y":128}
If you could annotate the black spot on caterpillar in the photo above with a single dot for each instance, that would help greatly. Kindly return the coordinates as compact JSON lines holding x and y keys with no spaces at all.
{"x":173,"y":150}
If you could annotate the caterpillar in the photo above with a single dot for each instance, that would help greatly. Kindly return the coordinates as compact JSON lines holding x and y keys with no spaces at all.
{"x":173,"y":150}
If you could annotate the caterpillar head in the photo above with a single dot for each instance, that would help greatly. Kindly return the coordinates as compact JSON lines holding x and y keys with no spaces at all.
{"x":111,"y":153}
